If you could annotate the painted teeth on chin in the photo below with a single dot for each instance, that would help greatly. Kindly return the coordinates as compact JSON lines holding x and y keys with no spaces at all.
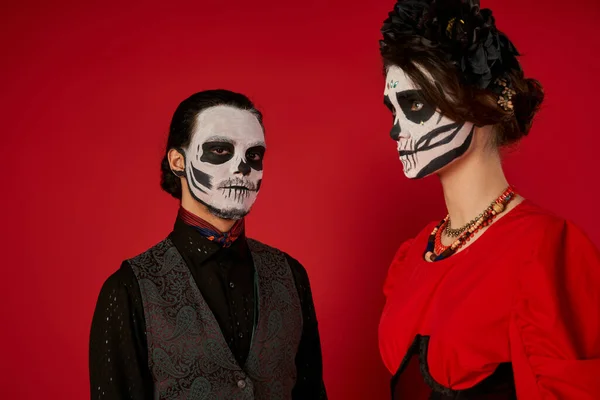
{"x":405,"y":163}
{"x":238,"y":195}
{"x":238,"y":182}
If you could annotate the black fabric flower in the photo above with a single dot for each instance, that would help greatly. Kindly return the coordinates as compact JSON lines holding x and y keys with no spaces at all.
{"x":466,"y":33}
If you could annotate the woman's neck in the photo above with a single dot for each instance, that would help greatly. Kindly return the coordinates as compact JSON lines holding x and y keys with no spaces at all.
{"x":472,"y":184}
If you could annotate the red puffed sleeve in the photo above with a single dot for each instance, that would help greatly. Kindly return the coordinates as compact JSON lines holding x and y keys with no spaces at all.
{"x":555,"y":324}
{"x":397,"y":268}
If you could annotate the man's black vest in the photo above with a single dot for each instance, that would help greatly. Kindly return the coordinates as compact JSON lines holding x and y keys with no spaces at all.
{"x":188,"y":355}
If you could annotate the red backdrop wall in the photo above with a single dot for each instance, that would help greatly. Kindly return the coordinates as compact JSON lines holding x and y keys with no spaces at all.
{"x":87,"y":92}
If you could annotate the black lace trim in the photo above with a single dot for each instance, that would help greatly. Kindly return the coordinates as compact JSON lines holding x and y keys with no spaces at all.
{"x":501,"y":381}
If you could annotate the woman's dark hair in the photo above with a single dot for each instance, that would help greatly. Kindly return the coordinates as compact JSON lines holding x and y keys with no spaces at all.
{"x":459,"y":46}
{"x":183,"y":124}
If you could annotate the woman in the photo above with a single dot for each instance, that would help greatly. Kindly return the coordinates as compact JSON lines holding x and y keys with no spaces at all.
{"x":500,"y":299}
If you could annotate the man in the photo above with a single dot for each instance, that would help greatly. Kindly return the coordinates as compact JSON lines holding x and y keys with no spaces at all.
{"x":208,"y":313}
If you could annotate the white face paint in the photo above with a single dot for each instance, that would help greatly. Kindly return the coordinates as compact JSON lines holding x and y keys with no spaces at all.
{"x":224,"y":160}
{"x":427,"y":140}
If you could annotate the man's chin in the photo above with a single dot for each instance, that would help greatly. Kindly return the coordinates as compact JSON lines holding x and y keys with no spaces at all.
{"x":229,"y":213}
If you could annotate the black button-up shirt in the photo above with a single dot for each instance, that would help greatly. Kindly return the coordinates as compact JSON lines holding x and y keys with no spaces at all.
{"x":225,"y":277}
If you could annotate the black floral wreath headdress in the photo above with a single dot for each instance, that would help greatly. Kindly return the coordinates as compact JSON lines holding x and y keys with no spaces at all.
{"x":466,"y":34}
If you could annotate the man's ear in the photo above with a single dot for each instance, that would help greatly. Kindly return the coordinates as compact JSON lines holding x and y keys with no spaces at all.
{"x":177,"y":161}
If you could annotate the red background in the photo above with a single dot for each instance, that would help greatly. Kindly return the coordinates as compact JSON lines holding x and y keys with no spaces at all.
{"x":87,"y":92}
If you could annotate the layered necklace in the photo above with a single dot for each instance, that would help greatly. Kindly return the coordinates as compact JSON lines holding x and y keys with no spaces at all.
{"x":437,"y":251}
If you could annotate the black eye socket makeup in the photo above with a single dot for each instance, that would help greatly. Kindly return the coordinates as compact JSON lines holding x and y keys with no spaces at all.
{"x":388,"y":104}
{"x":395,"y":132}
{"x":254,"y":157}
{"x":407,"y":99}
{"x":217,"y":152}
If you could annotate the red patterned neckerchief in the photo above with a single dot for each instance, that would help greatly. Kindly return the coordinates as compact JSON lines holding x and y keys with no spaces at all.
{"x":207,"y":230}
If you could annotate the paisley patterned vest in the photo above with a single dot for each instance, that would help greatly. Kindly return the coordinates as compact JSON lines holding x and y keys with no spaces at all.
{"x":188,"y":355}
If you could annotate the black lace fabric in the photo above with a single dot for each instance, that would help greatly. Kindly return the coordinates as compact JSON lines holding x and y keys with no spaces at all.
{"x":118,"y":348}
{"x":413,"y":381}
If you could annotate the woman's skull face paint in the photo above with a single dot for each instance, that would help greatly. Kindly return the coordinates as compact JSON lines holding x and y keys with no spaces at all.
{"x":427,"y":140}
{"x":224,"y":160}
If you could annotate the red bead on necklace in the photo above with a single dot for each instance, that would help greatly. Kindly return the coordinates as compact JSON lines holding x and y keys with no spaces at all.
{"x":439,"y":246}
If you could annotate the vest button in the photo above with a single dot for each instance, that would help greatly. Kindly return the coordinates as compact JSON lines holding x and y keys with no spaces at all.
{"x":241,"y":384}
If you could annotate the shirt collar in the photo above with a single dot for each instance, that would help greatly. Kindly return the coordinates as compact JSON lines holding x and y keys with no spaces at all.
{"x":198,"y":248}
{"x":225,"y":239}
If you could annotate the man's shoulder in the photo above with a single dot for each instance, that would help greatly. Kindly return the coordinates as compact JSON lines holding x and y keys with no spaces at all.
{"x":162,"y":255}
{"x":258,"y":246}
{"x":295,"y":265}
{"x":157,"y":250}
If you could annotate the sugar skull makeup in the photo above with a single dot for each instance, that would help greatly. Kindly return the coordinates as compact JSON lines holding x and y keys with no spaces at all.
{"x":427,"y":140}
{"x":224,"y":160}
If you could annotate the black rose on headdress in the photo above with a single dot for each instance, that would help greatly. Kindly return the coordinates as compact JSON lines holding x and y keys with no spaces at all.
{"x":467,"y":34}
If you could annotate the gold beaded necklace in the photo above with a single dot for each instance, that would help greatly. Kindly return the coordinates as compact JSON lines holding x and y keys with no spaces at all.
{"x":436,"y":251}
{"x":456,"y":232}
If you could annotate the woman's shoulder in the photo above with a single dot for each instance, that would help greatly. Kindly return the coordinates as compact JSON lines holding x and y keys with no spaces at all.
{"x":555,"y":241}
{"x":531,"y":214}
{"x":539,"y":224}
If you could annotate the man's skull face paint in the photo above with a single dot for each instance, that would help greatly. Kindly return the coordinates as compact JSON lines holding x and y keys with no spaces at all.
{"x":224,"y":160}
{"x":427,"y":141}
